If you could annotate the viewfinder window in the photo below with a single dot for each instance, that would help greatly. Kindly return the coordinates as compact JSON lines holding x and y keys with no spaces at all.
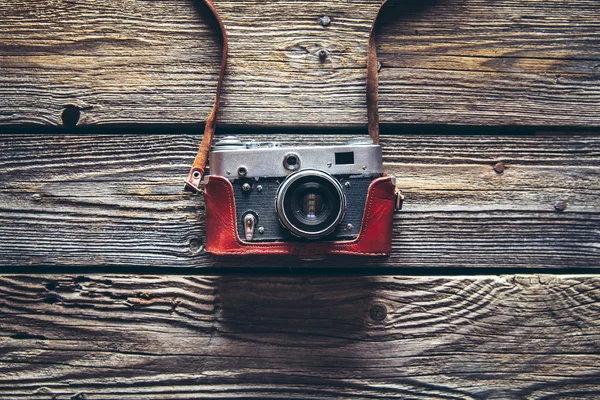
{"x":344,"y":158}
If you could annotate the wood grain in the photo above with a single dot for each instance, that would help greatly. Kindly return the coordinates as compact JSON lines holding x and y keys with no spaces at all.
{"x":176,"y":337}
{"x":466,"y":62}
{"x":118,"y":200}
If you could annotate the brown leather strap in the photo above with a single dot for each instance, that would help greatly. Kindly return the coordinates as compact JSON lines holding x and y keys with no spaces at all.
{"x":197,"y":171}
{"x":373,"y":82}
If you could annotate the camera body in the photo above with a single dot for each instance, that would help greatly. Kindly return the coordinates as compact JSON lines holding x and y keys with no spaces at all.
{"x":266,"y":198}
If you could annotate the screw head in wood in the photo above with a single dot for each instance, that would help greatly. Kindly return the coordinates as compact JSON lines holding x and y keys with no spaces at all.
{"x":560,"y":206}
{"x":378,"y":312}
{"x":322,"y":54}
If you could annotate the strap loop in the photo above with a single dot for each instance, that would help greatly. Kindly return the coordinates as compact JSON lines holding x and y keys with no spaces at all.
{"x":373,"y":82}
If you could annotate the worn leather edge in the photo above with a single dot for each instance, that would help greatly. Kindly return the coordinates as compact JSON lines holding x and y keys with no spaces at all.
{"x":223,"y":238}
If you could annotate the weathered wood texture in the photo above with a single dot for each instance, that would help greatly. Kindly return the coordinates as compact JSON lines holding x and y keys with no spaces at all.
{"x":167,"y":337}
{"x":468,"y":62}
{"x":119,"y":200}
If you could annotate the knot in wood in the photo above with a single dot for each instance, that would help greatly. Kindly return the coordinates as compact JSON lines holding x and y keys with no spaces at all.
{"x":70,"y":116}
{"x":378,"y":312}
{"x":196,"y":246}
{"x":322,"y":54}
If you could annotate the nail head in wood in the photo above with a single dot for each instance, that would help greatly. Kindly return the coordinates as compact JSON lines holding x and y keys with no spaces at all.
{"x":324,"y":20}
{"x":499,"y":167}
{"x":560,"y":206}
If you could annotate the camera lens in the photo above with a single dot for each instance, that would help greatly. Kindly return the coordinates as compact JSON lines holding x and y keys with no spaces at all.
{"x":310,"y":203}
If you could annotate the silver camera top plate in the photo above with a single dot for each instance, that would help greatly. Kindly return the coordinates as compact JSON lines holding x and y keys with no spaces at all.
{"x":271,"y":160}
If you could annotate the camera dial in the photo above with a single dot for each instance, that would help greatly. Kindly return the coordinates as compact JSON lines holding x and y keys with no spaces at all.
{"x":359,"y":141}
{"x":310,"y":203}
{"x":229,"y":143}
{"x":291,"y":161}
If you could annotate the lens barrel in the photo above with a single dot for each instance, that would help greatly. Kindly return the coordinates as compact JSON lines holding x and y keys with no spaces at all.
{"x":310,"y":203}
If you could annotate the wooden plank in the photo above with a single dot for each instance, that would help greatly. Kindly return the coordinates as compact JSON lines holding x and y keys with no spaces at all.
{"x":473,"y":62}
{"x":159,"y":337}
{"x":118,"y":200}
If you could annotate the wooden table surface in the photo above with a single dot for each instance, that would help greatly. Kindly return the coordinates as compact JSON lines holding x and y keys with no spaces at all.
{"x":490,"y":113}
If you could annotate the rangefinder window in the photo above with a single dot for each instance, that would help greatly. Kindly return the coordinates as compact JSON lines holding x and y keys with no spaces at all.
{"x":345,"y":158}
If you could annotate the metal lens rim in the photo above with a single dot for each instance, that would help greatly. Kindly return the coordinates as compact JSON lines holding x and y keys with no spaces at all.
{"x":283,"y":191}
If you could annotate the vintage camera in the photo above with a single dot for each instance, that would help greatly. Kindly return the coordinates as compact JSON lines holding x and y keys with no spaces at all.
{"x":275,"y":195}
{"x":302,"y":193}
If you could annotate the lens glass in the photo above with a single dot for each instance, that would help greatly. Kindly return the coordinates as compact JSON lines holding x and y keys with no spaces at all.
{"x":312,"y":204}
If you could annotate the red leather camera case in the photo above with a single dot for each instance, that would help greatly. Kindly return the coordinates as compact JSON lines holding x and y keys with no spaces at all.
{"x":374,"y":238}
